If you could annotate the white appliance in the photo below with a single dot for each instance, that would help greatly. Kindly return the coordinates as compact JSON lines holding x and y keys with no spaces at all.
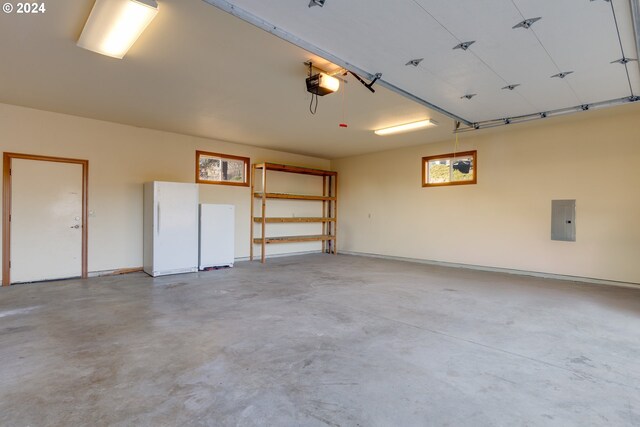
{"x":170,"y":228}
{"x":217,"y":235}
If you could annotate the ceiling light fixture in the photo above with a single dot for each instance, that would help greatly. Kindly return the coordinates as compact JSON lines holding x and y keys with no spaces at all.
{"x":407,"y":127}
{"x":468,"y":96}
{"x":114,"y":25}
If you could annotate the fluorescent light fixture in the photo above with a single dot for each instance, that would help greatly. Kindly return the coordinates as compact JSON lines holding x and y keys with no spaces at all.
{"x":114,"y":25}
{"x":407,"y":127}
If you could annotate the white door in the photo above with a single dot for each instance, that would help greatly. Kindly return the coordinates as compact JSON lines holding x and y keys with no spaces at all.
{"x":46,"y":220}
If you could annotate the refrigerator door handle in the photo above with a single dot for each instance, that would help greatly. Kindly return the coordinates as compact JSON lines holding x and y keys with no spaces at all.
{"x":158,"y":227}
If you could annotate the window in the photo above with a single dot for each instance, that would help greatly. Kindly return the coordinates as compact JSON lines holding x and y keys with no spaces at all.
{"x":214,"y":168}
{"x":450,"y":169}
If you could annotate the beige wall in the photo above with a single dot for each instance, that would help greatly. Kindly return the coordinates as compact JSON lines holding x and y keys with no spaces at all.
{"x":504,"y":220}
{"x":121,"y":158}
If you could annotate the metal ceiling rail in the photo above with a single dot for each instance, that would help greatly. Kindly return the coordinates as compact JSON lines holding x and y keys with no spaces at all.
{"x":551,"y":113}
{"x":635,"y":13}
{"x":293,"y":39}
{"x":624,"y":59}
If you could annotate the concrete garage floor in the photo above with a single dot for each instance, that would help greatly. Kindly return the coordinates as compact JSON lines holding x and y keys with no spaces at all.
{"x":320,"y":340}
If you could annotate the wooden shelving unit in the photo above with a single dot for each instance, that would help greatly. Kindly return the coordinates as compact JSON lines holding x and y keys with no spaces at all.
{"x":291,"y":239}
{"x":293,"y":219}
{"x":329,"y":199}
{"x":292,"y":196}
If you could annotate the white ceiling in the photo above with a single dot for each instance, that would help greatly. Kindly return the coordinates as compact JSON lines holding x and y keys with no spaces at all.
{"x":197,"y":70}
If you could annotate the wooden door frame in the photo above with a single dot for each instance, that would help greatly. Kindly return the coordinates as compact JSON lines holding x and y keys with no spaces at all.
{"x":6,"y":207}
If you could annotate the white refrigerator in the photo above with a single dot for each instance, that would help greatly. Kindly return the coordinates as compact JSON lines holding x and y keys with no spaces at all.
{"x":217,"y":235}
{"x":170,"y":228}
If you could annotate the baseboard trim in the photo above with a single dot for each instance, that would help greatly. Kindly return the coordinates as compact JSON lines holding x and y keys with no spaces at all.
{"x":257,"y":257}
{"x":119,"y":271}
{"x":578,"y":279}
{"x":114,"y":272}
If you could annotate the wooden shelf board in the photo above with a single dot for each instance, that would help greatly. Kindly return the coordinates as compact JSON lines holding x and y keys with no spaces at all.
{"x":293,"y":239}
{"x":293,"y":219}
{"x":292,"y":196}
{"x":294,"y":169}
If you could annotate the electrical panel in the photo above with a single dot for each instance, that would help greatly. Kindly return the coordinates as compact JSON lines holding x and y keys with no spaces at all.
{"x":563,"y":220}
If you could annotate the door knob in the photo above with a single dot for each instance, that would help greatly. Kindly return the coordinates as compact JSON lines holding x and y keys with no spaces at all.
{"x":75,"y":226}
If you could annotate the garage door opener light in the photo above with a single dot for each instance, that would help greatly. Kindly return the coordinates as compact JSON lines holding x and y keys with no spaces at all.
{"x":319,"y":84}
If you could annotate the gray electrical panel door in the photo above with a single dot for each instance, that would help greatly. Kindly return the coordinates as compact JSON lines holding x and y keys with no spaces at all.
{"x":563,"y":220}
